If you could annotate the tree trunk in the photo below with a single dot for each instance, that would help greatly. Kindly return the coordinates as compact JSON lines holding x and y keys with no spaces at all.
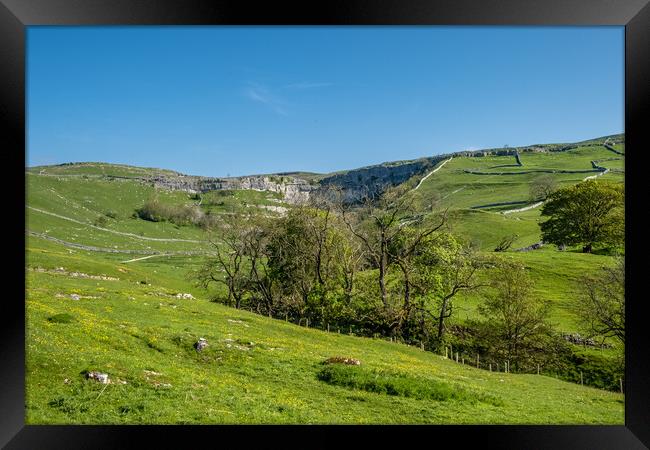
{"x":407,"y":289}
{"x":441,"y":325}
{"x":382,"y":278}
{"x":319,"y":263}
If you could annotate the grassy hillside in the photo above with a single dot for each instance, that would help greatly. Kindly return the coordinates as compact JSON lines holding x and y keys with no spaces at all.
{"x":102,"y":289}
{"x":555,"y":274}
{"x":255,"y":369}
{"x":502,"y":180}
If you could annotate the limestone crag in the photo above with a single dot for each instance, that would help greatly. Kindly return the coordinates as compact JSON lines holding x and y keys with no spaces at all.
{"x":369,"y":181}
{"x":358,"y":184}
{"x":294,"y":190}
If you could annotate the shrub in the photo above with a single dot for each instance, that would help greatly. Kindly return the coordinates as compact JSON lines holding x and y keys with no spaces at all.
{"x":100,"y":221}
{"x":61,"y":318}
{"x":156,"y":211}
{"x":398,"y":384}
{"x":110,"y":213}
{"x":342,"y":360}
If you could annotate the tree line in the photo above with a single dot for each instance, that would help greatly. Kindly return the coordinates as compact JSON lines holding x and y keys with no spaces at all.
{"x":381,"y":268}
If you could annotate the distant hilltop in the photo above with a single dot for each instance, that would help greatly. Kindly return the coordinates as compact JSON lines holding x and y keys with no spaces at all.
{"x":297,"y":187}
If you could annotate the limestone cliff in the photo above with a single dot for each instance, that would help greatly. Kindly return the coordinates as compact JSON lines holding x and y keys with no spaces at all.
{"x":294,"y":190}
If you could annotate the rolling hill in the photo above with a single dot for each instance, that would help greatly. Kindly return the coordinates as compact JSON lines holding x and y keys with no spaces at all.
{"x":107,"y":291}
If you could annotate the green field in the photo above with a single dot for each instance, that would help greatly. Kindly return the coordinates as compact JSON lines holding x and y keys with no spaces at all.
{"x":255,"y":369}
{"x":132,"y":326}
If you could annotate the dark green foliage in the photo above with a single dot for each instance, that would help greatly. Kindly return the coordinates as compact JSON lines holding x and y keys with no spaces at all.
{"x":597,"y":371}
{"x":100,"y":221}
{"x":589,"y":213}
{"x":156,"y":211}
{"x":61,"y":318}
{"x":398,"y":384}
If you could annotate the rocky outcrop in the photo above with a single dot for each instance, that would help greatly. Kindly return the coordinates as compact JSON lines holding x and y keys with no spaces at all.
{"x":372,"y":180}
{"x":355,"y":184}
{"x":579,"y":340}
{"x":200,"y":344}
{"x":534,"y":246}
{"x":294,"y":190}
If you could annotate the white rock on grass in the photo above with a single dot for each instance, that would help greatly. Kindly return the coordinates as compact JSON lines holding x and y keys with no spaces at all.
{"x":201,"y":344}
{"x":98,"y":376}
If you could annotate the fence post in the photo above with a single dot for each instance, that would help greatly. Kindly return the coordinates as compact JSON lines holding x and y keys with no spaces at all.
{"x":490,"y":367}
{"x":456,"y":357}
{"x":620,"y":383}
{"x":477,"y":361}
{"x":307,"y":323}
{"x":422,"y":346}
{"x":537,"y":369}
{"x":581,"y":378}
{"x":350,"y":330}
{"x":497,"y":367}
{"x":446,"y":354}
{"x":463,"y":360}
{"x":328,"y":327}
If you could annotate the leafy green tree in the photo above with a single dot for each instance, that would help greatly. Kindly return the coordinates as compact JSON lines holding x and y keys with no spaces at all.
{"x":444,"y":268}
{"x":377,"y":224}
{"x":512,"y":310}
{"x":589,"y":213}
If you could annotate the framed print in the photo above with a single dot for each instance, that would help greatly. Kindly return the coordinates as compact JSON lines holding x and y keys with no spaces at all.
{"x":423,"y":215}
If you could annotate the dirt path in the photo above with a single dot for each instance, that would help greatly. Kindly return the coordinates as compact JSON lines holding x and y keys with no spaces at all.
{"x":123,"y":233}
{"x":432,"y":172}
{"x":452,"y":193}
{"x":144,"y":257}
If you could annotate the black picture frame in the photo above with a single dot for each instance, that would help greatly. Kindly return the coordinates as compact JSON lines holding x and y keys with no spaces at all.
{"x":15,"y":15}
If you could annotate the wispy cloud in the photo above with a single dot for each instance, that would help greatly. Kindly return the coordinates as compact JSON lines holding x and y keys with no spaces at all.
{"x":262,"y":94}
{"x":307,"y":85}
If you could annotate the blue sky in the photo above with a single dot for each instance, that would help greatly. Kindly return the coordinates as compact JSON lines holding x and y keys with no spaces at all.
{"x":221,"y":101}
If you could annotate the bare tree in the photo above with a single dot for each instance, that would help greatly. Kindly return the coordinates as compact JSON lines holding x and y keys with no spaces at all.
{"x":542,"y":186}
{"x":411,"y":237}
{"x":601,"y":307}
{"x":506,"y":242}
{"x":227,"y":267}
{"x":376,"y":225}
